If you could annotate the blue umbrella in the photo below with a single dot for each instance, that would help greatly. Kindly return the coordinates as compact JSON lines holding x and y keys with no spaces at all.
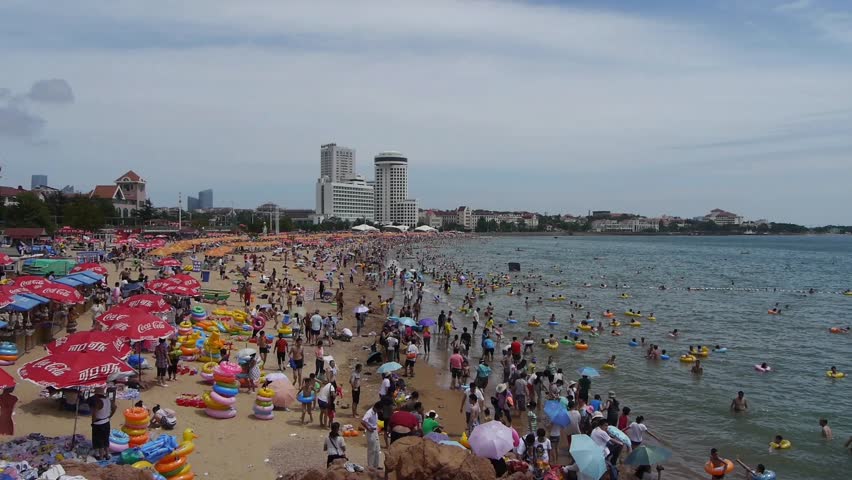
{"x":557,"y":413}
{"x":389,"y":367}
{"x":393,"y":319}
{"x":588,"y":456}
{"x":408,"y":322}
{"x":426,"y":322}
{"x":488,"y":343}
{"x":648,"y":455}
{"x":588,"y":371}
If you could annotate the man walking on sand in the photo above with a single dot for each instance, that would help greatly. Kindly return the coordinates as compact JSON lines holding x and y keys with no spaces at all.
{"x":355,"y":385}
{"x":370,"y":422}
{"x":297,"y":358}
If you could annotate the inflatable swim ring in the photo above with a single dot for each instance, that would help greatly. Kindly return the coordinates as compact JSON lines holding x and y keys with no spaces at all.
{"x":633,"y":344}
{"x":785,"y":444}
{"x":766,"y":475}
{"x":608,"y":314}
{"x":553,"y":324}
{"x":687,"y":358}
{"x":728,"y":467}
{"x":608,"y":366}
{"x":302,"y":399}
{"x":552,"y":346}
{"x":653,"y":319}
{"x":664,"y":357}
{"x":581,"y":346}
{"x":831,"y":374}
{"x":720,"y":350}
{"x":567,"y":341}
{"x":512,"y":320}
{"x":762,"y":370}
{"x":585,"y":327}
{"x":220,"y":414}
{"x":535,"y":324}
{"x":635,"y":324}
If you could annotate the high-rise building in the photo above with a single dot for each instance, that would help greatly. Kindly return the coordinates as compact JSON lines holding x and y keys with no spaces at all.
{"x":205,"y":199}
{"x":350,"y":200}
{"x":391,"y":190}
{"x":38,"y":181}
{"x":192,"y":204}
{"x":337,"y":163}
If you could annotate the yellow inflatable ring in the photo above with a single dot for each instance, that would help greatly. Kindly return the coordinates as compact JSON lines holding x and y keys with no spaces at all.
{"x":831,"y":374}
{"x":142,"y":464}
{"x":687,"y":358}
{"x":785,"y":444}
{"x":266,"y":393}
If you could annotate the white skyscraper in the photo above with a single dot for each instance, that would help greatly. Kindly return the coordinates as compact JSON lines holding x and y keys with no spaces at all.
{"x":337,"y":163}
{"x":391,"y":190}
{"x":339,"y":192}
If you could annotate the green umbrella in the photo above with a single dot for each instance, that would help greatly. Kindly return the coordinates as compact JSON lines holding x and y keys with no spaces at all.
{"x":645,"y":455}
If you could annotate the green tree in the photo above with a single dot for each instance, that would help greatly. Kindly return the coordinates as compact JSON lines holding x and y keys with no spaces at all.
{"x":481,"y":225}
{"x":30,"y":211}
{"x":146,"y":213}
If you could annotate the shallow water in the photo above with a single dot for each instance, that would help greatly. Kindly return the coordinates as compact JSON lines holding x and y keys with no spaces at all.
{"x":740,"y":278}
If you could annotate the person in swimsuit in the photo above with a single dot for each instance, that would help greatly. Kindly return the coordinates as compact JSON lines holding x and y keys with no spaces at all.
{"x":739,"y":404}
{"x":297,"y":359}
{"x":262,"y":347}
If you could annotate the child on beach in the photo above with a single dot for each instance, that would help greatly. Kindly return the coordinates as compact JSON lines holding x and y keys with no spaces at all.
{"x":307,"y":392}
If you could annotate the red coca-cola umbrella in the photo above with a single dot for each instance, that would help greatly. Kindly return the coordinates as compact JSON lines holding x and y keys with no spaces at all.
{"x":64,"y":370}
{"x":90,"y":267}
{"x":59,"y":293}
{"x":184,"y":280}
{"x":142,"y":327}
{"x":30,"y":282}
{"x":93,"y":341}
{"x":167,"y":262}
{"x":5,"y":260}
{"x":119,"y":313}
{"x":148,"y":302}
{"x":181,"y":290}
{"x":11,"y":289}
{"x":6,"y":380}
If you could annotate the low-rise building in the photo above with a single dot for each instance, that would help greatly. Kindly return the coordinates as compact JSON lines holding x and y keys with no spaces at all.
{"x":633,"y":225}
{"x":722,"y":217}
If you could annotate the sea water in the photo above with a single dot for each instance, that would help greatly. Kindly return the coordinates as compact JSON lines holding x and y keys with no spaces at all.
{"x":718,"y":291}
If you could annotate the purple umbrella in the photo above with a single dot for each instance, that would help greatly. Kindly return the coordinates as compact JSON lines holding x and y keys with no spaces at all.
{"x":436,"y":437}
{"x":426,"y":322}
{"x":491,"y":440}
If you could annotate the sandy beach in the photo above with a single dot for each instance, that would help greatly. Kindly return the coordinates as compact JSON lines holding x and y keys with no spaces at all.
{"x":243,"y":446}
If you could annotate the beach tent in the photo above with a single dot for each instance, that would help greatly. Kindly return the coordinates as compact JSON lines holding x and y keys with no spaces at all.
{"x":84,"y":278}
{"x":396,"y":228}
{"x":425,"y":228}
{"x":24,"y":302}
{"x":364,"y":228}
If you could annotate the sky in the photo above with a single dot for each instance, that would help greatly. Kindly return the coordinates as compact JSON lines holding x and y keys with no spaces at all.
{"x":653,"y":107}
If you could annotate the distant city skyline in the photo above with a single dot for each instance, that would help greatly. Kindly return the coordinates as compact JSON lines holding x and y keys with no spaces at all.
{"x":653,"y":107}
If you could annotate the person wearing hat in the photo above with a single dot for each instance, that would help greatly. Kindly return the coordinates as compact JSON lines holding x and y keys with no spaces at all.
{"x":612,"y":409}
{"x":430,"y":423}
{"x":503,"y":406}
{"x":103,"y":408}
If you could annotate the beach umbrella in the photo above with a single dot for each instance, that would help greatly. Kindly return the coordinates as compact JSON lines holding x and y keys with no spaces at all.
{"x":6,"y":380}
{"x":437,"y":437}
{"x":12,"y":290}
{"x":452,"y":443}
{"x":557,"y":413}
{"x":167,"y":262}
{"x":275,"y":376}
{"x":30,"y":281}
{"x":588,"y":372}
{"x":648,"y":455}
{"x":84,"y":369}
{"x":491,"y":440}
{"x":285,"y":393}
{"x":118,"y":313}
{"x":181,"y":291}
{"x":393,"y":319}
{"x":361,"y":309}
{"x":90,"y":267}
{"x":389,"y":367}
{"x":59,"y":293}
{"x":588,"y":456}
{"x":426,"y":322}
{"x":5,"y":260}
{"x":408,"y":322}
{"x":148,"y":302}
{"x":185,"y":280}
{"x":92,"y":341}
{"x":142,"y":327}
{"x":6,"y":299}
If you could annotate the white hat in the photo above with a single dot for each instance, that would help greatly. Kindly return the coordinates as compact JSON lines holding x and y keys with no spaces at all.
{"x":501,"y":388}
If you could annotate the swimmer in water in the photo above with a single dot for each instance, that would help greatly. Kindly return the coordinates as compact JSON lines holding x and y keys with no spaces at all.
{"x":697,"y":369}
{"x":739,"y":404}
{"x":825,"y":429}
{"x":611,"y":360}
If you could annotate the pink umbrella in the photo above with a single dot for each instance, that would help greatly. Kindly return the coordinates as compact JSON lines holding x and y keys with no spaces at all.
{"x":93,"y":341}
{"x":119,"y":313}
{"x":30,"y":281}
{"x":285,"y":393}
{"x":142,"y":327}
{"x":148,"y":302}
{"x":90,"y":267}
{"x":5,"y":260}
{"x":6,"y":380}
{"x":59,"y":293}
{"x":85,"y":369}
{"x":167,"y":262}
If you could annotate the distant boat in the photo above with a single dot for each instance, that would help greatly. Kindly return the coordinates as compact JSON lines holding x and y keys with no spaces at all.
{"x":749,"y":232}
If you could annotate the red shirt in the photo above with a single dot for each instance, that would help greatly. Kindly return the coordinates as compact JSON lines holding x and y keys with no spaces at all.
{"x":623,"y":422}
{"x":403,"y":419}
{"x":281,"y":345}
{"x":456,"y":361}
{"x":516,"y":347}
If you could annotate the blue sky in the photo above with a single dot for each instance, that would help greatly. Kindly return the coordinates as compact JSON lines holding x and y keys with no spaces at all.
{"x":653,"y":107}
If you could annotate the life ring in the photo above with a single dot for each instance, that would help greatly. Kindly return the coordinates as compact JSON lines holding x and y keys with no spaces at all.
{"x":208,"y":367}
{"x":221,"y":378}
{"x":166,"y":467}
{"x":266,"y":393}
{"x":552,"y":346}
{"x":609,"y":366}
{"x":136,"y":415}
{"x":138,"y":440}
{"x":512,"y":320}
{"x":728,"y":467}
{"x":301,"y":398}
{"x":211,"y":404}
{"x":635,"y":324}
{"x":142,"y":464}
{"x":585,"y":327}
{"x":222,"y":400}
{"x":608,"y":314}
{"x":220,"y":414}
{"x":720,"y":350}
{"x":785,"y":444}
{"x":119,"y":437}
{"x":664,"y":357}
{"x":261,"y":416}
{"x":633,"y":344}
{"x":9,"y":358}
{"x":761,"y":369}
{"x":134,"y":432}
{"x":225,"y":391}
{"x":183,"y":450}
{"x":581,"y":346}
{"x":553,"y":324}
{"x":687,"y":358}
{"x":831,"y":374}
{"x":230,"y":367}
{"x":535,"y":324}
{"x":185,"y":469}
{"x":567,"y":341}
{"x":267,"y":409}
{"x":258,"y":323}
{"x":263,"y":403}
